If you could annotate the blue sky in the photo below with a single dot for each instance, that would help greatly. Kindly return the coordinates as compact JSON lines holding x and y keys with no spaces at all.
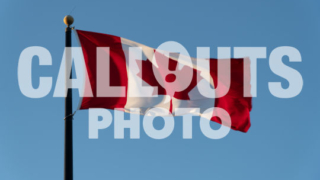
{"x":283,"y":142}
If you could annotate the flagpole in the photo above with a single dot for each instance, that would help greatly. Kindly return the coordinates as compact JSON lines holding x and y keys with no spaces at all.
{"x":68,"y":144}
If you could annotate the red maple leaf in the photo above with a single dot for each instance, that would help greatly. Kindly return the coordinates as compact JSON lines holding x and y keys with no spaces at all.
{"x":149,"y":76}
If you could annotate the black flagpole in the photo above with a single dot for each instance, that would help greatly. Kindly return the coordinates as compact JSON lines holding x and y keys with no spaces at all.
{"x":68,"y":147}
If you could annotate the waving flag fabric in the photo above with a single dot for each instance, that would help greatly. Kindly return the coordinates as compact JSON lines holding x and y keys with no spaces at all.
{"x":160,"y":93}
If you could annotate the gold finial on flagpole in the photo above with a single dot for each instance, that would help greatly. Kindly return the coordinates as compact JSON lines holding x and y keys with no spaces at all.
{"x":68,"y":20}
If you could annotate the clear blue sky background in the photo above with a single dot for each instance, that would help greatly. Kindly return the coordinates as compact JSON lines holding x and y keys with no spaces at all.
{"x":282,"y":144}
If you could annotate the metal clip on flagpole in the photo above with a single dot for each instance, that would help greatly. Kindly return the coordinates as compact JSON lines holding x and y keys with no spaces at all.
{"x":68,"y":144}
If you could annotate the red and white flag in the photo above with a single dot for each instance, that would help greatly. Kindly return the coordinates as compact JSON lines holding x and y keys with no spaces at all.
{"x":134,"y":76}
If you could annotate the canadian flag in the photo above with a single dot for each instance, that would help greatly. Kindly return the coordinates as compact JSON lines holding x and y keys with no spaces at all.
{"x":136,"y":78}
